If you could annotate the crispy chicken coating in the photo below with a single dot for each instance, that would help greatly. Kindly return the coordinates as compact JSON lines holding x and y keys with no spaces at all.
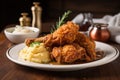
{"x":64,"y":34}
{"x":86,"y":43}
{"x":69,"y":53}
{"x":68,"y":45}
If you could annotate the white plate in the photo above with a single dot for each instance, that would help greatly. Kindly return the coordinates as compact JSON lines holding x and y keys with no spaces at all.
{"x":111,"y":54}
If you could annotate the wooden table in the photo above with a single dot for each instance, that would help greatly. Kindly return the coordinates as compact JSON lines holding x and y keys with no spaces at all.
{"x":12,"y":71}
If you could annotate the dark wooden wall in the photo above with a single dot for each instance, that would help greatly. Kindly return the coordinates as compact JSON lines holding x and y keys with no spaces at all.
{"x":99,"y":8}
{"x":52,"y":9}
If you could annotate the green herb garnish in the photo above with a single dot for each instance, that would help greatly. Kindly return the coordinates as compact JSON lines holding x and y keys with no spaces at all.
{"x":34,"y":44}
{"x":60,"y":22}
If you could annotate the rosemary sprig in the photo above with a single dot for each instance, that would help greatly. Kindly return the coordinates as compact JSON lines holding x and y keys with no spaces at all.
{"x":60,"y":21}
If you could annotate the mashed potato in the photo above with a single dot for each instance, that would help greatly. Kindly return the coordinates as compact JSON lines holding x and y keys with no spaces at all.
{"x":36,"y":53}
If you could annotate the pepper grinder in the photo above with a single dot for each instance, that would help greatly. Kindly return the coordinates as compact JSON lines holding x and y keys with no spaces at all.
{"x":24,"y":20}
{"x":36,"y":15}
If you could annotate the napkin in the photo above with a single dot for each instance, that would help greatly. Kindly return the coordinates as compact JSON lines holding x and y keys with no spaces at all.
{"x":115,"y":34}
{"x":112,"y":21}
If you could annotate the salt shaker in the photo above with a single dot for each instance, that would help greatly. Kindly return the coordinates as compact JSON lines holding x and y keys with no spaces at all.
{"x":36,"y":15}
{"x":25,"y":20}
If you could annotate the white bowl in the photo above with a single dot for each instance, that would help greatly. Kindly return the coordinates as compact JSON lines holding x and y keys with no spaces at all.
{"x":20,"y":37}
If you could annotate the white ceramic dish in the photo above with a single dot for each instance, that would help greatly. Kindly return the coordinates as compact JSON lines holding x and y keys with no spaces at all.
{"x":20,"y":38}
{"x":111,"y":54}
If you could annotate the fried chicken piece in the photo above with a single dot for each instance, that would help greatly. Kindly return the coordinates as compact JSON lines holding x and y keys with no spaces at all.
{"x":30,"y":40}
{"x":64,"y":34}
{"x":69,"y":53}
{"x":86,"y":43}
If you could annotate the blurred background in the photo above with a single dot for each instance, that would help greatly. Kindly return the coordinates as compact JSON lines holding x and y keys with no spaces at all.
{"x":11,"y":9}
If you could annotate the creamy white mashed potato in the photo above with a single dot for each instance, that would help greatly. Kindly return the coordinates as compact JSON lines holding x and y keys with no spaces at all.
{"x":36,"y":53}
{"x":21,"y":30}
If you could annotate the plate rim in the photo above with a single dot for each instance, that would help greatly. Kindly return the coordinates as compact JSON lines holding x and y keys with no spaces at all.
{"x":62,"y":67}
